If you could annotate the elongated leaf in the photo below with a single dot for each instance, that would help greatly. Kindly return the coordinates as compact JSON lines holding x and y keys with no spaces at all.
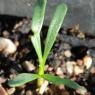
{"x":37,"y":22}
{"x":38,"y":16}
{"x":54,"y":28}
{"x":36,"y":43}
{"x":22,"y":79}
{"x":57,"y":80}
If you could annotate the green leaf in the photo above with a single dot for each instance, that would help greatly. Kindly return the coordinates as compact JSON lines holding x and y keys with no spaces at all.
{"x":54,"y":28}
{"x":22,"y":79}
{"x":37,"y":22}
{"x":57,"y":80}
{"x":38,"y":16}
{"x":37,"y":45}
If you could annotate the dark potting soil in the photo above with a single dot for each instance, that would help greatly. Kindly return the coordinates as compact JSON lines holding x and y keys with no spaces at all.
{"x":68,"y":53}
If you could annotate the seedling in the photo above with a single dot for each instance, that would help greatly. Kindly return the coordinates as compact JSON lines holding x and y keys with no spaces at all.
{"x":37,"y":22}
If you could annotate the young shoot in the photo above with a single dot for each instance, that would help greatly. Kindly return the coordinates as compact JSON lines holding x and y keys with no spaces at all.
{"x":37,"y":23}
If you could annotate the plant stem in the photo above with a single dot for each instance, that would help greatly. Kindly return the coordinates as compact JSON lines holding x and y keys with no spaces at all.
{"x":41,"y":72}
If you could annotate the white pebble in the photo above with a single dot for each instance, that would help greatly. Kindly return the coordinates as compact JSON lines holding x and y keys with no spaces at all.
{"x":59,"y":71}
{"x":43,"y":87}
{"x":3,"y":91}
{"x":29,"y":92}
{"x":78,"y":70}
{"x":70,"y":66}
{"x":82,"y":90}
{"x":87,"y":60}
{"x":80,"y":62}
{"x":7,"y":46}
{"x":67,"y":53}
{"x":11,"y":91}
{"x":28,"y":66}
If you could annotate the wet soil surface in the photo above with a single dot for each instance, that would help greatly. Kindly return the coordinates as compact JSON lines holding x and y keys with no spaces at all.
{"x":72,"y":56}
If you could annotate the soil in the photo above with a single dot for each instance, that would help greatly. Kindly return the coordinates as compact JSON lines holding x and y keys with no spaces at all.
{"x":72,"y":56}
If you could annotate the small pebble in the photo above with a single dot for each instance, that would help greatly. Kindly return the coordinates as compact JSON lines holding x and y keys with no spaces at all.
{"x":18,"y":25}
{"x":74,"y":30}
{"x":55,"y":64}
{"x":78,"y":70}
{"x":60,"y":57}
{"x":46,"y":67}
{"x":66,"y":46}
{"x":16,"y":43}
{"x":50,"y":69}
{"x":80,"y":62}
{"x":67,"y":53}
{"x":92,"y":70}
{"x":2,"y":80}
{"x":63,"y":67}
{"x":11,"y":91}
{"x":81,"y":35}
{"x":3,"y":91}
{"x":66,"y":93}
{"x":91,"y":52}
{"x":81,"y":91}
{"x":29,"y":92}
{"x":12,"y":75}
{"x":87,"y":60}
{"x":59,"y":71}
{"x":55,"y":55}
{"x":43,"y":87}
{"x":28,"y":66}
{"x":25,"y":28}
{"x":70,"y":66}
{"x":61,"y":87}
{"x":7,"y":46}
{"x":5,"y":34}
{"x":22,"y":92}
